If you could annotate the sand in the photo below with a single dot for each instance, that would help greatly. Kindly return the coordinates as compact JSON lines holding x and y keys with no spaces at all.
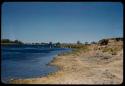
{"x":92,"y":67}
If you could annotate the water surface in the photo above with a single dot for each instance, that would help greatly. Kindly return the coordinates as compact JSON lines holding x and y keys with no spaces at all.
{"x":27,"y":62}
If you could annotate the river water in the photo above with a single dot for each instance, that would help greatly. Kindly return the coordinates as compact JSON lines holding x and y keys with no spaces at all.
{"x":27,"y":62}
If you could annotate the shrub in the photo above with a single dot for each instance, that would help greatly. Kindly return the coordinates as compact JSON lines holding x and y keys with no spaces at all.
{"x":103,"y":42}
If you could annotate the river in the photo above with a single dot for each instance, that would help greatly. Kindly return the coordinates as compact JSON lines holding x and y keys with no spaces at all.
{"x":27,"y":62}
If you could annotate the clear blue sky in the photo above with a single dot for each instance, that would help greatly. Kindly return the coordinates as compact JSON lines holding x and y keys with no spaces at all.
{"x":61,"y":22}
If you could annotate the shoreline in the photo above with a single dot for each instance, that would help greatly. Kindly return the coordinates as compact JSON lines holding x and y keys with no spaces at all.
{"x":80,"y":67}
{"x":51,"y":56}
{"x":49,"y":64}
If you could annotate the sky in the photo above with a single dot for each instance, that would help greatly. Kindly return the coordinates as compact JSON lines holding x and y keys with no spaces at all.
{"x":65,"y":22}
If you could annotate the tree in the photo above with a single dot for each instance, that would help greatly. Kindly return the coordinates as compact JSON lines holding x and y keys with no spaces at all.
{"x":78,"y":42}
{"x":5,"y":41}
{"x":86,"y":43}
{"x":18,"y":42}
{"x":33,"y":43}
{"x":103,"y":42}
{"x":58,"y":44}
{"x":50,"y":44}
{"x":119,"y":39}
{"x":36,"y":43}
{"x":93,"y":42}
{"x":10,"y":41}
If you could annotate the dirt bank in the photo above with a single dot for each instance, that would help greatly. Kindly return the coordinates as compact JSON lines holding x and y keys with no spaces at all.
{"x":92,"y":67}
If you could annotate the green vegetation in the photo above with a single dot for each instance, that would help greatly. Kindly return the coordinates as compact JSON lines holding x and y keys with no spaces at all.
{"x":76,"y":49}
{"x":93,"y":42}
{"x":112,"y":50}
{"x":7,"y":41}
{"x":109,"y":50}
{"x":103,"y":42}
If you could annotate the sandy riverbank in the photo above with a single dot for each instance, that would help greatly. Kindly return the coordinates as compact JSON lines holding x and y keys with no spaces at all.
{"x":91,"y":67}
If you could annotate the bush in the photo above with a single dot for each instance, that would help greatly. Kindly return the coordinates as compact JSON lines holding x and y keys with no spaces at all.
{"x":103,"y":42}
{"x":112,"y":51}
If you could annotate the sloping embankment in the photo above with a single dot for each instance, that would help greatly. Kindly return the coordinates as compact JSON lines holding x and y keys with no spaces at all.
{"x":95,"y":66}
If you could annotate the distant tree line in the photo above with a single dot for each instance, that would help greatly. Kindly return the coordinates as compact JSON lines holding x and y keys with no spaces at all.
{"x":78,"y":44}
{"x":10,"y":41}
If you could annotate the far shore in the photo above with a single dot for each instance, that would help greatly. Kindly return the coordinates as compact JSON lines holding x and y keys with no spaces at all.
{"x":83,"y":67}
{"x":8,"y":43}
